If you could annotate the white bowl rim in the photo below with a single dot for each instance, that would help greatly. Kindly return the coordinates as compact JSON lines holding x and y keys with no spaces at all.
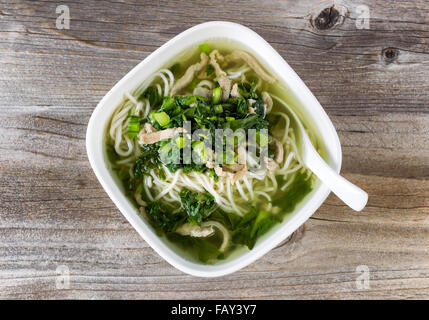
{"x":265,"y":53}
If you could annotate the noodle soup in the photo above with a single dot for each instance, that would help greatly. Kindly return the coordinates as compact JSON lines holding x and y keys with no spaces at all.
{"x":206,"y":151}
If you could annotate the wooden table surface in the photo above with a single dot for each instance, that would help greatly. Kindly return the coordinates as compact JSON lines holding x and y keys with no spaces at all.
{"x":55,"y":217}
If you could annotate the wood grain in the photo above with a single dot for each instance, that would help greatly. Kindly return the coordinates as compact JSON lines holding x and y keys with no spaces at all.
{"x":372,"y":82}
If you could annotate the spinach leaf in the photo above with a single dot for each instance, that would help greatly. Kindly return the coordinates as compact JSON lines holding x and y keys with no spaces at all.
{"x":248,"y":90}
{"x":240,"y":107}
{"x":201,"y":248}
{"x":300,"y":187}
{"x":228,"y":219}
{"x":209,"y":69}
{"x":251,"y":122}
{"x":259,"y":108}
{"x":148,"y":159}
{"x":161,"y":217}
{"x":152,"y":95}
{"x":175,"y":68}
{"x":254,"y":224}
{"x":197,"y":205}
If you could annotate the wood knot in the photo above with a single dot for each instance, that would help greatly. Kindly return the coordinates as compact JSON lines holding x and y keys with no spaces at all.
{"x":329,"y":18}
{"x":389,"y":55}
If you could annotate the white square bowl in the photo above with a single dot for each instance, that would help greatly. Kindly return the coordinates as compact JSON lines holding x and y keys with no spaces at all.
{"x":275,"y":64}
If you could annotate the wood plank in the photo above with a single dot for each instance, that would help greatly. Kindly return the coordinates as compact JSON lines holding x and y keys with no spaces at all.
{"x":54,"y":212}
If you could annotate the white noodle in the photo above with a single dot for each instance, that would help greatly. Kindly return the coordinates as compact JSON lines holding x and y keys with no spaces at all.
{"x":229,"y":197}
{"x":206,"y":83}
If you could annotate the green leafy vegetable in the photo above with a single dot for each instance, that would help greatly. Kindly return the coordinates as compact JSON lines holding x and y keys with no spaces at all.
{"x":259,"y":107}
{"x":152,"y":95}
{"x":148,"y":159}
{"x":254,"y":224}
{"x":162,"y":218}
{"x":248,"y":91}
{"x":202,"y":249}
{"x":167,"y":104}
{"x":250,"y":122}
{"x":210,"y":69}
{"x":300,"y":187}
{"x":200,"y":148}
{"x":218,"y":108}
{"x":197,"y":205}
{"x":261,"y":139}
{"x":241,"y":107}
{"x":175,"y":68}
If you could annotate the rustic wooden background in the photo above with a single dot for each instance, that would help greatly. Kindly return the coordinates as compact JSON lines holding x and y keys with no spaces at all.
{"x":374,"y":84}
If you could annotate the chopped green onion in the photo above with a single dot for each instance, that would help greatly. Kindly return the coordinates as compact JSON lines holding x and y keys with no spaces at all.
{"x":202,"y":135}
{"x":218,"y":108}
{"x":229,"y":156}
{"x":204,"y":47}
{"x":239,"y":138}
{"x":152,"y":95}
{"x":162,"y":118}
{"x":229,"y":119}
{"x":133,"y":127}
{"x":217,"y":95}
{"x":262,"y":139}
{"x":164,"y":152}
{"x":200,"y":148}
{"x":179,"y":142}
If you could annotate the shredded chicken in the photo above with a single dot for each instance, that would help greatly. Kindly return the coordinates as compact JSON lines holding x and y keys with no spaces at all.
{"x":234,"y":91}
{"x":236,"y":172}
{"x":221,"y":76}
{"x":189,"y":75}
{"x":240,"y":174}
{"x":225,"y":84}
{"x":271,"y":165}
{"x":219,"y":171}
{"x":153,"y":137}
{"x":267,"y":100}
{"x":148,"y":128}
{"x":233,"y":167}
{"x":238,"y":169}
{"x":241,"y":55}
{"x":203,"y":75}
{"x":210,"y":164}
{"x":278,"y":156}
{"x":188,"y":229}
